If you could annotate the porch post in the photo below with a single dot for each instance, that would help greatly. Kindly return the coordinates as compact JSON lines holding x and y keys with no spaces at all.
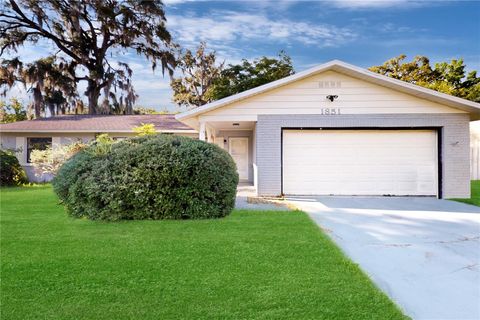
{"x":201,"y":131}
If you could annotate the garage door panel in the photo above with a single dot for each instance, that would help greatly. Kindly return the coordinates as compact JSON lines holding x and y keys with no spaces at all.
{"x":362,"y":162}
{"x":364,"y":188}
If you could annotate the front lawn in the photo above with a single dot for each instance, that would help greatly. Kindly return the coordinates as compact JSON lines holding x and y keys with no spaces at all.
{"x":475,"y":194}
{"x":250,"y":265}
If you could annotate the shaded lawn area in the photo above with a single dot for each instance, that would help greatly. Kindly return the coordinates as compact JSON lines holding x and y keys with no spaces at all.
{"x":475,"y":196}
{"x":250,"y":265}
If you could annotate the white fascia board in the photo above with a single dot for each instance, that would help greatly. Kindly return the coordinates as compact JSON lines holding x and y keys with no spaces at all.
{"x":233,"y":117}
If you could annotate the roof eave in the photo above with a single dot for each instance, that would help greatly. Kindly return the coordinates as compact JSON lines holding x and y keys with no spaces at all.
{"x":90,"y":131}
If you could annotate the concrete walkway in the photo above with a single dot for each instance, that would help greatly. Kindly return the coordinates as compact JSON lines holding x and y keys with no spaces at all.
{"x":246,"y":190}
{"x":423,"y":252}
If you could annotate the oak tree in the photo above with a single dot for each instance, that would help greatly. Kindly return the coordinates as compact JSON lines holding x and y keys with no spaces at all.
{"x":447,"y":77}
{"x":86,"y":34}
{"x":199,"y":69}
{"x":48,"y":82}
{"x":250,"y":74}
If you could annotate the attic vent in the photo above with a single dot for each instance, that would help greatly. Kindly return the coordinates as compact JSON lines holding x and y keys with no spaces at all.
{"x":329,"y":84}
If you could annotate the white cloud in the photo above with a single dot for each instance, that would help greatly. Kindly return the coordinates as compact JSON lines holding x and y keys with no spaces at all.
{"x":174,"y":2}
{"x":378,"y":4}
{"x":18,"y":91}
{"x":391,"y":27}
{"x":151,"y":84}
{"x":228,"y":27}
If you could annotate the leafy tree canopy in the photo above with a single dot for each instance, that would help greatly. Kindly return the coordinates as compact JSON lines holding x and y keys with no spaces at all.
{"x":12,"y":111}
{"x":203,"y":80}
{"x":144,"y":110}
{"x":450,"y":78}
{"x":85,"y":34}
{"x":198,"y":72}
{"x":250,"y":74}
{"x":48,"y":82}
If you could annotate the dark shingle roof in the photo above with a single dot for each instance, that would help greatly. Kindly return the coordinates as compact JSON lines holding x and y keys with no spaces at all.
{"x":96,"y":123}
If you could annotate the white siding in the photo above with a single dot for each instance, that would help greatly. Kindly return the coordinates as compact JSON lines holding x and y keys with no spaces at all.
{"x":307,"y":96}
{"x":21,"y":149}
{"x":475,"y":150}
{"x":475,"y":159}
{"x":7,"y":142}
{"x":254,"y":156}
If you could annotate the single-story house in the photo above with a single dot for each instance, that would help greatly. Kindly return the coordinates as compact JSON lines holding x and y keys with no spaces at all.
{"x":335,"y":129}
{"x":24,"y":136}
{"x":475,"y":150}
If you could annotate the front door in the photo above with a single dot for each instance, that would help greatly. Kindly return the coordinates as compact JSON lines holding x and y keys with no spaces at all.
{"x":238,"y":149}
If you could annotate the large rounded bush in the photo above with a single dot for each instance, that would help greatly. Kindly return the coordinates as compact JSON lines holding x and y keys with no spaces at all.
{"x":150,"y":177}
{"x":11,"y":172}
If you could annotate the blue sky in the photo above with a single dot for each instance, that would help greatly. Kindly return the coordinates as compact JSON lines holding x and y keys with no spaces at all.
{"x":362,"y":32}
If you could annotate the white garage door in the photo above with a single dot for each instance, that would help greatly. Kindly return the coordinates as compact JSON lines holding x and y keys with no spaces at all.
{"x":360,"y":162}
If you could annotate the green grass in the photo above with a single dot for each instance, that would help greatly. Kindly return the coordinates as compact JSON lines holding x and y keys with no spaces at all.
{"x":475,"y":194}
{"x":250,"y":265}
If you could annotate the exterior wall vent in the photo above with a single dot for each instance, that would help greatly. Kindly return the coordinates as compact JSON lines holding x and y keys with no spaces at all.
{"x":329,"y":84}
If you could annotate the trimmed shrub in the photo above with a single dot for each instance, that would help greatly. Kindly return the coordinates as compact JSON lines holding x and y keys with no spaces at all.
{"x":149,"y":177}
{"x":11,"y":172}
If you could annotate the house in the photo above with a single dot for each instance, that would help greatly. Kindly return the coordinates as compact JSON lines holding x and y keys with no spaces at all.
{"x":475,"y":150}
{"x":25,"y":136}
{"x":337,"y":129}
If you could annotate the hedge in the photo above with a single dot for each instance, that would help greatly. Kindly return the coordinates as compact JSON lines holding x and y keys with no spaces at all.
{"x":149,"y":177}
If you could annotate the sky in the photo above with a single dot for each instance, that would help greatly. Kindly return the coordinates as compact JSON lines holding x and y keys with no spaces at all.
{"x":360,"y":32}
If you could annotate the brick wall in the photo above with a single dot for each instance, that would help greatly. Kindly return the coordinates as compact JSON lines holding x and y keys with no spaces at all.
{"x":455,"y":144}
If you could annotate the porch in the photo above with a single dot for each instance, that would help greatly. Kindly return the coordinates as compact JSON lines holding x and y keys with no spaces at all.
{"x":238,"y":139}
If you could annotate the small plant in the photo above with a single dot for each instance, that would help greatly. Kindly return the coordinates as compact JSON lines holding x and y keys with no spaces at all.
{"x":12,"y":112}
{"x":48,"y":161}
{"x":102,"y":144}
{"x":145,"y":129}
{"x":11,"y":172}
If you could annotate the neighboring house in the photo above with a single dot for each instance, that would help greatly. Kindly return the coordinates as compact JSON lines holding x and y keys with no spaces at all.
{"x":342,"y":130}
{"x":475,"y":150}
{"x":25,"y":136}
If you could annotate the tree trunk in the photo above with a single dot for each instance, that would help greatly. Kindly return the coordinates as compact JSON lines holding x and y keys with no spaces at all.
{"x":51,"y":108}
{"x":37,"y":102}
{"x":93,"y":93}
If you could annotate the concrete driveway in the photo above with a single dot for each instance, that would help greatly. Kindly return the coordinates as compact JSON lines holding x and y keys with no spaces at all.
{"x":423,"y":252}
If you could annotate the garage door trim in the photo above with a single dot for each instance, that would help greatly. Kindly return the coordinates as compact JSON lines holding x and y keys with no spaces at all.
{"x":438,"y":130}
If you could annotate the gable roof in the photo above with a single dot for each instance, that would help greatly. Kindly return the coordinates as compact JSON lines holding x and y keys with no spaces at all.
{"x":342,"y":67}
{"x":97,"y":123}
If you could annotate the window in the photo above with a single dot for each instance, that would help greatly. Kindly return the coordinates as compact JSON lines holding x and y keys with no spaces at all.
{"x":118,"y":138}
{"x":37,"y":144}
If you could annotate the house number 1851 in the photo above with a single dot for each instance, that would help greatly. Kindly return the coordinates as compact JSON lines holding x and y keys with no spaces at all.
{"x":330,"y":111}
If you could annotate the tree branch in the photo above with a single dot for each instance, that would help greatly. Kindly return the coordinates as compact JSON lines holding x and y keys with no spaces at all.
{"x":44,"y":32}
